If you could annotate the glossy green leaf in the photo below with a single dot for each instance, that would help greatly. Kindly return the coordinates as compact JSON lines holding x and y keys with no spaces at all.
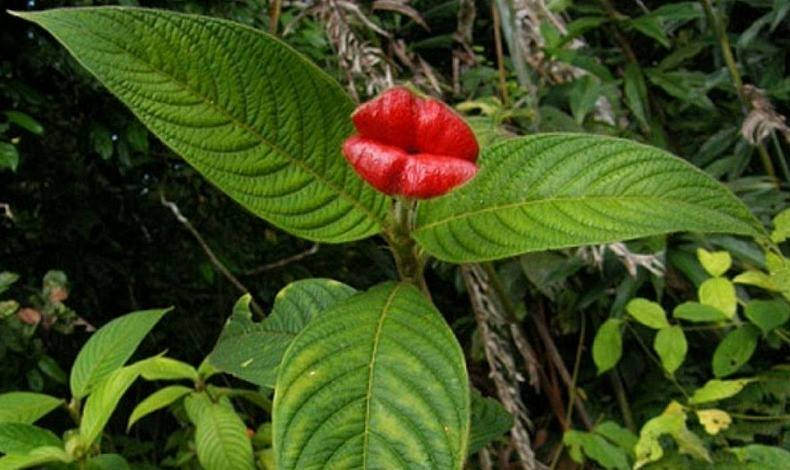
{"x":647,"y":313}
{"x":220,"y":435}
{"x":156,"y":401}
{"x":719,"y":293}
{"x":252,"y":115}
{"x":489,"y":421}
{"x":735,"y":350}
{"x":716,"y":263}
{"x":550,"y":191}
{"x":166,"y":368}
{"x":716,"y":389}
{"x":109,"y":348}
{"x":608,"y":345}
{"x":767,"y":314}
{"x":103,"y":399}
{"x":26,"y":407}
{"x":252,"y":350}
{"x":377,"y":381}
{"x":36,"y":457}
{"x":671,"y":346}
{"x":699,"y":313}
{"x":21,"y":438}
{"x":597,"y":448}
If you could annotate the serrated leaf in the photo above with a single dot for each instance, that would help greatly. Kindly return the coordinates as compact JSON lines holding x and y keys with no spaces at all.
{"x":716,"y":389}
{"x":252,"y":115}
{"x":489,"y":421}
{"x":596,"y":448}
{"x":671,"y":346}
{"x":26,"y":407}
{"x":377,"y":381}
{"x":735,"y":350}
{"x":109,"y":348}
{"x":714,"y":420}
{"x":156,"y":401}
{"x":769,"y":456}
{"x":103,"y":399}
{"x":647,"y":313}
{"x":608,"y":345}
{"x":166,"y":368}
{"x":252,"y":350}
{"x":21,"y":438}
{"x":767,"y":314}
{"x":551,"y":191}
{"x":220,"y":435}
{"x":37,"y":456}
{"x":715,"y":263}
{"x":719,"y":293}
{"x":699,"y":313}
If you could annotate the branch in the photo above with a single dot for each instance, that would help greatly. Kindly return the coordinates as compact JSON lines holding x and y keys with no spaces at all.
{"x":280,"y":263}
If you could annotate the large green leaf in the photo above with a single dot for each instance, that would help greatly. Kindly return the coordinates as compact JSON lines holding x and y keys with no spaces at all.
{"x":34,"y":458}
{"x":21,"y":438}
{"x":377,"y":381}
{"x":26,"y":407}
{"x":550,"y":191}
{"x":247,"y":111}
{"x":220,"y":435}
{"x":109,"y":348}
{"x":253,"y":350}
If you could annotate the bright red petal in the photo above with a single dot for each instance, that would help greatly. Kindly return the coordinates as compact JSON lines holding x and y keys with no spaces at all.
{"x":440,"y":131}
{"x":388,"y":119}
{"x":425,"y":175}
{"x":379,"y":165}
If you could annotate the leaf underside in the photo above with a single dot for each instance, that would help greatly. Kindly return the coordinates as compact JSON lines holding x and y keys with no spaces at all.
{"x":247,"y":111}
{"x":551,"y":191}
{"x":377,"y":381}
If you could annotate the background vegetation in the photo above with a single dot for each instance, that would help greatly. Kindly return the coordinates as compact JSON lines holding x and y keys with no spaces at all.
{"x":87,"y":200}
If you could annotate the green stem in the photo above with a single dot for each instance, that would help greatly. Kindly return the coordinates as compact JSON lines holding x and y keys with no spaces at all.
{"x":408,"y":259}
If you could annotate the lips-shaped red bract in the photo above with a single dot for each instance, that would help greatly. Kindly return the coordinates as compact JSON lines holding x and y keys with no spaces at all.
{"x":411,"y":146}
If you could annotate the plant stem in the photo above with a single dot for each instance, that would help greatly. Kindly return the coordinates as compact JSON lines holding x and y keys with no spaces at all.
{"x":622,"y":400}
{"x":408,"y":259}
{"x":732,"y":66}
{"x":500,"y":57}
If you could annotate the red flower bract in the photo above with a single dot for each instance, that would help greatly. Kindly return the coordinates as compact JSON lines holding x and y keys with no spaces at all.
{"x":410,"y":146}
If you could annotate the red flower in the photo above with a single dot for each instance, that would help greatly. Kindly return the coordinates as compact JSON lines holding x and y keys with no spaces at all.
{"x":411,"y":146}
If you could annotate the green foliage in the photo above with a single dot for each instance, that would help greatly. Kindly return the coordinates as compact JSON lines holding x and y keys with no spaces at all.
{"x":220,"y":435}
{"x":26,"y":407}
{"x":156,"y":401}
{"x":21,"y":438}
{"x":608,"y":345}
{"x":489,"y":420}
{"x":349,"y":368}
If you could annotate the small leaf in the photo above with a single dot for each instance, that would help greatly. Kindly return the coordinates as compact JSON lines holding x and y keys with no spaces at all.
{"x":9,"y":156}
{"x":7,"y":279}
{"x":673,"y":422}
{"x":156,"y":401}
{"x":596,"y":448}
{"x":714,"y":420}
{"x":24,"y":121}
{"x":103,"y":399}
{"x":697,"y":312}
{"x":735,"y":350}
{"x":220,"y":435}
{"x":715,"y":263}
{"x":252,"y":350}
{"x":617,"y":434}
{"x":647,"y":313}
{"x":21,"y":438}
{"x":26,"y":407}
{"x":781,"y":230}
{"x":607,"y":345}
{"x":763,"y":455}
{"x":635,"y":91}
{"x":767,"y":314}
{"x":756,"y":278}
{"x":489,"y":421}
{"x":165,"y":368}
{"x":671,"y":346}
{"x":109,"y":348}
{"x":715,"y":390}
{"x":650,"y":26}
{"x":719,"y":293}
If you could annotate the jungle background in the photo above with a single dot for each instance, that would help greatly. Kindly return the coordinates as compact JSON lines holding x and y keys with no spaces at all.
{"x":98,"y":218}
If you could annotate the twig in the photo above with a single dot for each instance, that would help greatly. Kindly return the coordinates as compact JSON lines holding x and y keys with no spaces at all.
{"x":575,"y":376}
{"x":622,"y":400}
{"x":210,"y":253}
{"x":500,"y":57}
{"x":280,"y":263}
{"x":275,"y":7}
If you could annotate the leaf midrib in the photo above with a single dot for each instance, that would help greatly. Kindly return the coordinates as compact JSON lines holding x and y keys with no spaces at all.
{"x":233,"y":119}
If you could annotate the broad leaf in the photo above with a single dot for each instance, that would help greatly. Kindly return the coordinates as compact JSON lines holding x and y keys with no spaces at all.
{"x":103,"y":399}
{"x":719,"y":293}
{"x":697,"y":312}
{"x":26,"y":407}
{"x":766,"y":456}
{"x":36,"y":457}
{"x":21,"y":438}
{"x":715,"y":389}
{"x":220,"y":435}
{"x":166,"y":368}
{"x":715,"y":263}
{"x":673,"y":422}
{"x":550,"y":191}
{"x":109,"y":348}
{"x":253,"y":350}
{"x":608,"y":345}
{"x":671,"y":346}
{"x":597,"y":448}
{"x":252,"y":115}
{"x":767,"y":314}
{"x":489,"y":421}
{"x":377,"y":381}
{"x":156,"y":401}
{"x":735,"y":350}
{"x":617,"y":434}
{"x":647,"y":313}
